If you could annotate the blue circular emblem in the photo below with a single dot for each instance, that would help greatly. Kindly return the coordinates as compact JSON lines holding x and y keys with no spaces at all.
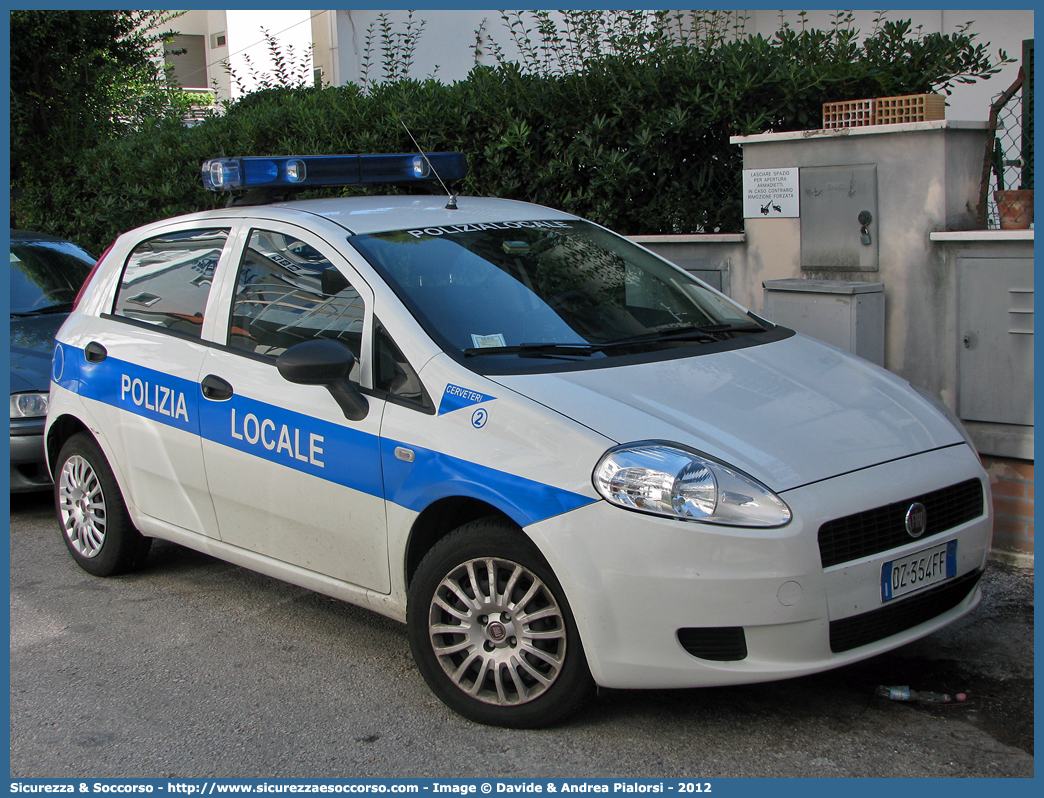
{"x":479,"y":418}
{"x":58,"y":363}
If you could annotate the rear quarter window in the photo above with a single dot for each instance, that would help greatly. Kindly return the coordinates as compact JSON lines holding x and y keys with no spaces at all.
{"x":166,"y":280}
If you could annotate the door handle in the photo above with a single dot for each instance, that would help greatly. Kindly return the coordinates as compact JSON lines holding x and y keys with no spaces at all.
{"x":94,"y":352}
{"x":215,"y":388}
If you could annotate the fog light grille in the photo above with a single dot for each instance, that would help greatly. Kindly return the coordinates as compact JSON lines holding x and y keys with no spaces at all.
{"x":861,"y":630}
{"x":719,"y":643}
{"x":883,"y":528}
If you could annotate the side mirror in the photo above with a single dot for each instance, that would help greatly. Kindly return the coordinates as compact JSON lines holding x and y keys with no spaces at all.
{"x":325,"y":362}
{"x":332,"y":282}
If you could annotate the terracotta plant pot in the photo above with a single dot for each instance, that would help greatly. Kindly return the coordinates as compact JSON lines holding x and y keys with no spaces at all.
{"x":1015,"y":208}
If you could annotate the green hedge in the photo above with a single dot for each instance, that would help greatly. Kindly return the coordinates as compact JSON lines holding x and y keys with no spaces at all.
{"x":638,"y":144}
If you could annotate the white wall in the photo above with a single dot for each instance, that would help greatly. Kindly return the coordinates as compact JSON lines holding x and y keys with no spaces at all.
{"x":246,"y":40}
{"x":204,"y":23}
{"x":445,"y":49}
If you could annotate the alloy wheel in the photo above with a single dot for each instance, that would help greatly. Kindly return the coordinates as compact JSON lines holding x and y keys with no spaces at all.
{"x":497,"y":631}
{"x":81,"y":504}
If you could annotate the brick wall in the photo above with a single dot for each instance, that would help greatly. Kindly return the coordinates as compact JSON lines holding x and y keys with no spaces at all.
{"x":1012,"y":484}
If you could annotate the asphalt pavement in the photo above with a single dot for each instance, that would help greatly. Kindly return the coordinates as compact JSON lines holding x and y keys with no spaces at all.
{"x":195,"y":668}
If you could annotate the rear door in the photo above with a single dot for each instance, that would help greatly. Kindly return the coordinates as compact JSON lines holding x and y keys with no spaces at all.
{"x":142,"y":361}
{"x":292,"y":478}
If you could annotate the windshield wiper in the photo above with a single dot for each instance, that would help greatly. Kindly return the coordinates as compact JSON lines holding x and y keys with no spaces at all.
{"x":537,"y":350}
{"x":708,"y":333}
{"x":64,"y":307}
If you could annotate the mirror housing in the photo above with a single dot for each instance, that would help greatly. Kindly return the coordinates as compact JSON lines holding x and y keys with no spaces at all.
{"x":332,"y":282}
{"x":326,"y":362}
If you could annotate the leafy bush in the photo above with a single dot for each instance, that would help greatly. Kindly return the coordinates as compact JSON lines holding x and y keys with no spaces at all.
{"x":627,"y":125}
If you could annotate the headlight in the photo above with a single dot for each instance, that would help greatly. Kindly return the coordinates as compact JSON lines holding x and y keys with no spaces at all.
{"x":28,"y":405}
{"x":939,"y":405}
{"x":669,"y":480}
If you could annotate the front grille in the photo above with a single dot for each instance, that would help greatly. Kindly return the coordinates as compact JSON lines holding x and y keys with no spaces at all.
{"x":719,"y":643}
{"x":861,"y":630}
{"x":884,"y":528}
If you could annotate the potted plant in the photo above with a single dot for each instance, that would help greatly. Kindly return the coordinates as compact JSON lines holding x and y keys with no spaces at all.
{"x":1014,"y":206}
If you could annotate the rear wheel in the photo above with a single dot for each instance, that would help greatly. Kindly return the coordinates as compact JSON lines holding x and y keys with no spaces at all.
{"x":95,"y":524}
{"x":491,"y":631}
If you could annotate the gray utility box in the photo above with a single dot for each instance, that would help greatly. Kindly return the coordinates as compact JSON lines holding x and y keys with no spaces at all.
{"x":995,"y":314}
{"x":849,"y":315}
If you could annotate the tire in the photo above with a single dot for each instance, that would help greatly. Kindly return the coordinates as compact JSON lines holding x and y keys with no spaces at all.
{"x":479,"y":650}
{"x":93,"y":517}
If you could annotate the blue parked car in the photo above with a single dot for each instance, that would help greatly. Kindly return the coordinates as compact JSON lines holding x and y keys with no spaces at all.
{"x":46,"y":275}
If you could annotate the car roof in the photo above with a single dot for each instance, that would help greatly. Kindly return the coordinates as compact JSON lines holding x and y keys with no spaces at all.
{"x":375,"y":214}
{"x":25,"y":235}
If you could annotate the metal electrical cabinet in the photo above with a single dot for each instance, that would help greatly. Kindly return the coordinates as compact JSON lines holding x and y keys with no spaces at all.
{"x":849,"y":315}
{"x":995,"y":317}
{"x":839,"y":229}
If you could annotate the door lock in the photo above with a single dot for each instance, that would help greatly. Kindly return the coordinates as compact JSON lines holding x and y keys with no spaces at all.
{"x":864,"y":219}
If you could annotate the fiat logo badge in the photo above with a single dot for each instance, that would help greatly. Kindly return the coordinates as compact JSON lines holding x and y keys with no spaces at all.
{"x":916,"y":520}
{"x":496,"y":632}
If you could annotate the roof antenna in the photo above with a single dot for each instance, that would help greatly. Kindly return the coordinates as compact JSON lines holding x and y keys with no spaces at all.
{"x":452,"y":204}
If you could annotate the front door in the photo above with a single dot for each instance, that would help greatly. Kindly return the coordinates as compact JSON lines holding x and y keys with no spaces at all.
{"x":291,"y":477}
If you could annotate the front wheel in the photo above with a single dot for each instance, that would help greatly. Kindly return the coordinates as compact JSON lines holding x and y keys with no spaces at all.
{"x":95,"y":524}
{"x":491,"y":631}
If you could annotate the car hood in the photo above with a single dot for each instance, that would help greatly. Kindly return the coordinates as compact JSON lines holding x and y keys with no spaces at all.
{"x":32,"y":344}
{"x":788,"y":413}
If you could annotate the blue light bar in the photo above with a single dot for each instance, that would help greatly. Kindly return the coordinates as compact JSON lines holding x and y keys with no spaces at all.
{"x":225,"y":174}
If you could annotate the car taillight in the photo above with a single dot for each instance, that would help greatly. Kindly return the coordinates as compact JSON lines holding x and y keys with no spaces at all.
{"x":90,"y":276}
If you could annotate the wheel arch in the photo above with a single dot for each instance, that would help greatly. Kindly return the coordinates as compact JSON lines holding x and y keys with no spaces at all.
{"x":439,"y":519}
{"x":60,"y":430}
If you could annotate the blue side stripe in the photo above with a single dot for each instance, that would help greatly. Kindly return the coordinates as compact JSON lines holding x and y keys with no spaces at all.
{"x":319,"y":448}
{"x":327,"y":451}
{"x":433,"y":475}
{"x":157,"y":396}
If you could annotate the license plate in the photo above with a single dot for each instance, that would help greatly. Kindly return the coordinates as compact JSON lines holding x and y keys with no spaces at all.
{"x":917,"y":571}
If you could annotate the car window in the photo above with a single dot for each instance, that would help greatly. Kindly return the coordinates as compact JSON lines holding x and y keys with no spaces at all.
{"x":280,"y":299}
{"x":46,"y":274}
{"x":166,"y":280}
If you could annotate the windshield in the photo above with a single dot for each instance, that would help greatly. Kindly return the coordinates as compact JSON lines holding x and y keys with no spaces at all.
{"x":46,"y":274}
{"x":547,"y":289}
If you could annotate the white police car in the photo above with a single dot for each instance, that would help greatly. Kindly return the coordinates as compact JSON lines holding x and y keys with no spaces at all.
{"x":560,"y":459}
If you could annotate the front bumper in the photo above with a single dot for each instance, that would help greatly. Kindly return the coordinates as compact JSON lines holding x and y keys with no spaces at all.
{"x":28,"y":463}
{"x":634,"y":581}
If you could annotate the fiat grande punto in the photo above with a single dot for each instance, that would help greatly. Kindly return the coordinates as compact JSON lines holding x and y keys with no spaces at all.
{"x":559,"y":459}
